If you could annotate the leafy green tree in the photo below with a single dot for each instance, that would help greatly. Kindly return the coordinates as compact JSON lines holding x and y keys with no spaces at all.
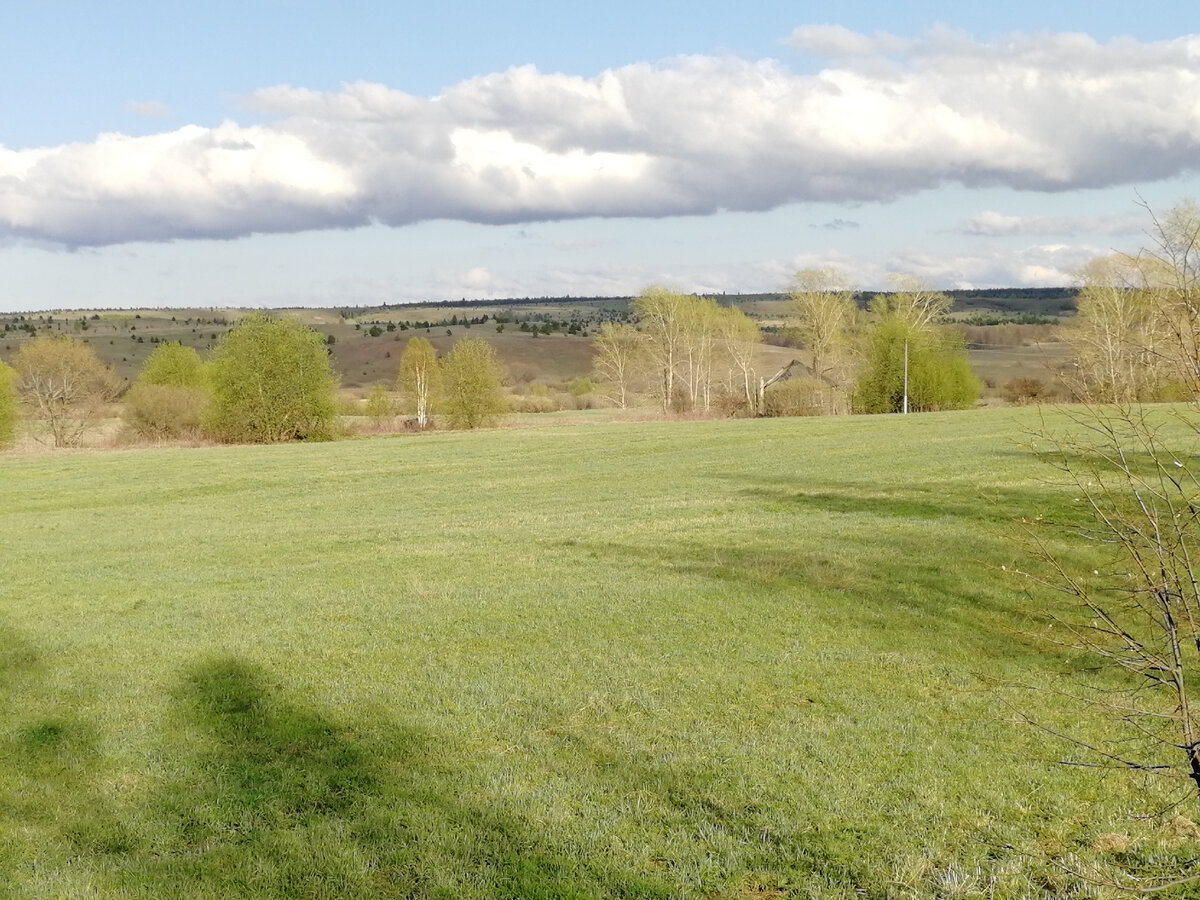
{"x":173,"y":364}
{"x":474,"y":395}
{"x":271,"y":382}
{"x":938,"y":374}
{"x":9,"y":413}
{"x":65,"y":384}
{"x":420,"y":380}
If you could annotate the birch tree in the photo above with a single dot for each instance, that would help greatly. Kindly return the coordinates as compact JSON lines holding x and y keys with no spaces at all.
{"x":661,"y":315}
{"x":740,"y":338}
{"x":420,"y":379}
{"x":823,"y":301}
{"x":618,"y":349}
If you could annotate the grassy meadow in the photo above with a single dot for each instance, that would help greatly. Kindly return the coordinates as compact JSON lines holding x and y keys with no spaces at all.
{"x":745,"y":659}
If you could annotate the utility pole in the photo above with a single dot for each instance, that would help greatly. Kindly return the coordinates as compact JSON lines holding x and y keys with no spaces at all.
{"x":906,"y":377}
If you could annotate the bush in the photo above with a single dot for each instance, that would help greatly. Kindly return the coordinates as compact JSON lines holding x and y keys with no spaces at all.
{"x":271,"y":382}
{"x":533,"y":403}
{"x":798,"y":397}
{"x":165,"y":411}
{"x":1024,"y":390}
{"x":577,"y":387}
{"x":380,"y":406}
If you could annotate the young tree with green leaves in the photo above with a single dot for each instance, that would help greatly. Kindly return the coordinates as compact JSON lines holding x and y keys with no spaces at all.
{"x":380,"y":409}
{"x":420,"y":379}
{"x":173,"y":364}
{"x":271,"y":382}
{"x":938,"y":374}
{"x":473,"y":389}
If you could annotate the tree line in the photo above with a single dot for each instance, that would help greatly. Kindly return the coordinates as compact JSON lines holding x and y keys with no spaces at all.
{"x":692,"y":354}
{"x":268,"y":380}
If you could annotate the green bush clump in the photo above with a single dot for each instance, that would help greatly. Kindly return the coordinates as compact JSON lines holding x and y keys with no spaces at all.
{"x":165,"y":411}
{"x":271,"y":382}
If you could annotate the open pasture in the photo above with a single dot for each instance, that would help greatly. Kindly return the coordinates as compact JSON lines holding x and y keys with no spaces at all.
{"x":739,"y":659}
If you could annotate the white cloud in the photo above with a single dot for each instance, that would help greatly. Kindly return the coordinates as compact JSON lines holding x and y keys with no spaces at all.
{"x":994,"y":224}
{"x":151,"y":108}
{"x":691,"y":136}
{"x":1041,"y":265}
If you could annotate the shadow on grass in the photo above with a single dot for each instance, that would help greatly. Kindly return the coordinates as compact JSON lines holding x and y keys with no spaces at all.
{"x":272,"y":798}
{"x":738,"y":844}
{"x":998,"y":508}
{"x":917,"y":561}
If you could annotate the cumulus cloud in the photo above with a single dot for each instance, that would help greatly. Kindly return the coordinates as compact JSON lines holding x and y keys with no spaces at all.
{"x":993,"y":224}
{"x":690,"y":136}
{"x":1039,"y":265}
{"x":151,"y":108}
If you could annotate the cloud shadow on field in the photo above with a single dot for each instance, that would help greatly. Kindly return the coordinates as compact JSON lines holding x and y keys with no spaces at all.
{"x":274,"y":798}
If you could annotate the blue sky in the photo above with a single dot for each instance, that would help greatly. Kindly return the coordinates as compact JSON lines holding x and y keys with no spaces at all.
{"x":285,"y":153}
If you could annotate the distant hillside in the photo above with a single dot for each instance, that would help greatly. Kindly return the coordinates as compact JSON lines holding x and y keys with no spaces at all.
{"x":542,"y":339}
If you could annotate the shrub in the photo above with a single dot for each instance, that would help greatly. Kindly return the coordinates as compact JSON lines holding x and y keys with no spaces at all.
{"x":271,"y":382}
{"x":533,"y":403}
{"x":1023,"y":390}
{"x":164,"y":411}
{"x":577,"y":387}
{"x":380,"y":406}
{"x":798,"y":397}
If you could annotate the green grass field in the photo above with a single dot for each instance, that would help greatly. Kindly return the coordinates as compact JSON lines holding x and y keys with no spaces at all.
{"x":718,"y":659}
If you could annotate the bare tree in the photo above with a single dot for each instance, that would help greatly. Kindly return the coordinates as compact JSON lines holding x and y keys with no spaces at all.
{"x":740,"y":338}
{"x":1113,"y":334}
{"x":660,"y":313}
{"x":618,"y":350}
{"x":826,"y":312}
{"x":912,"y":302}
{"x":1134,"y":617}
{"x":65,"y":385}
